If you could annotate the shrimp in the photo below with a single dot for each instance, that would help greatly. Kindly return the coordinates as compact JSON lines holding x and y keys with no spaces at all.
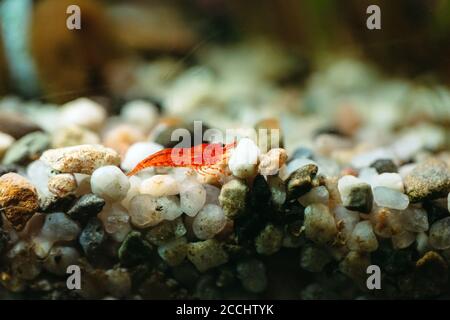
{"x":205,"y":159}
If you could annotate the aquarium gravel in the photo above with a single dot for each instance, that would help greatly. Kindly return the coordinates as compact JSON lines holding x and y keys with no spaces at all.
{"x":355,"y":175}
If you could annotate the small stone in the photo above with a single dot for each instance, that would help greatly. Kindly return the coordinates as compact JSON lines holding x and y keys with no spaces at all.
{"x":134,"y":250}
{"x":135,"y":185}
{"x":252,"y":274}
{"x":85,"y":207}
{"x":209,"y":222}
{"x":27,"y":148}
{"x":80,"y":159}
{"x":118,"y":282}
{"x":278,"y":191}
{"x":92,"y":238}
{"x":212,"y":194}
{"x":59,"y":258}
{"x":82,"y":112}
{"x":57,"y":227}
{"x":232,"y":198}
{"x":6,"y":141}
{"x":193,"y":198}
{"x":16,"y":125}
{"x":73,"y":136}
{"x":389,"y":180}
{"x":319,"y":224}
{"x":439,"y":236}
{"x":415,"y":220}
{"x":143,"y":211}
{"x":62,"y":185}
{"x":121,"y":137}
{"x":141,"y":113}
{"x":428,"y":180}
{"x":206,"y":254}
{"x":314,"y":259}
{"x":403,"y":239}
{"x":115,"y":220}
{"x":138,"y":152}
{"x":110,"y":183}
{"x":302,"y":152}
{"x":4,"y":169}
{"x":269,"y":241}
{"x":18,"y":199}
{"x":316,"y":195}
{"x":346,"y":221}
{"x":24,"y":263}
{"x":243,"y":161}
{"x":384,"y":166}
{"x":165,"y":232}
{"x":363,"y":238}
{"x":301,"y":181}
{"x":160,"y":185}
{"x":354,"y":265}
{"x":271,"y":162}
{"x":389,"y":198}
{"x":356,"y":195}
{"x":173,"y":252}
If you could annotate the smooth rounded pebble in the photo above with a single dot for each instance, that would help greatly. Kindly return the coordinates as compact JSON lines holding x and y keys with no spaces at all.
{"x":159,"y":185}
{"x":208,"y":222}
{"x":390,"y":198}
{"x":143,"y":213}
{"x":62,"y":184}
{"x":83,"y":112}
{"x":192,"y":199}
{"x":363,"y":238}
{"x":319,"y":224}
{"x":439,"y":235}
{"x":110,"y":182}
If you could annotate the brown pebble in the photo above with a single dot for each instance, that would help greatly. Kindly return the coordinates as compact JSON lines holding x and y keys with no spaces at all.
{"x":18,"y":199}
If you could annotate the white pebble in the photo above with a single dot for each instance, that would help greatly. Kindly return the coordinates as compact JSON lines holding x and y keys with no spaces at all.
{"x":160,"y":185}
{"x":169,"y":207}
{"x":57,"y":227}
{"x":138,"y":152}
{"x":389,"y":180}
{"x":422,"y":242}
{"x":83,"y":112}
{"x":115,"y":219}
{"x":389,"y":198}
{"x":143,"y":213}
{"x":135,"y":186}
{"x":316,"y":195}
{"x":347,"y":219}
{"x":209,"y":221}
{"x":244,"y":159}
{"x":140,"y":113}
{"x":192,"y":199}
{"x":110,"y":183}
{"x":368,"y":175}
{"x":212,"y":194}
{"x":363,"y":238}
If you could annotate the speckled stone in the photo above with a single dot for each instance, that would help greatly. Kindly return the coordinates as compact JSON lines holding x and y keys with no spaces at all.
{"x":134,"y":250}
{"x":85,"y":207}
{"x":206,"y":254}
{"x":428,"y":180}
{"x":233,"y":197}
{"x":300,"y":181}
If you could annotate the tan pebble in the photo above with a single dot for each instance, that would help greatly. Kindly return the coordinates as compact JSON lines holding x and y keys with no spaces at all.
{"x":72,"y":136}
{"x":80,"y":159}
{"x":62,"y":184}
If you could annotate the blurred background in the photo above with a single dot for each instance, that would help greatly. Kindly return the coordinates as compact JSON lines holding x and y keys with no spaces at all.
{"x":230,"y":62}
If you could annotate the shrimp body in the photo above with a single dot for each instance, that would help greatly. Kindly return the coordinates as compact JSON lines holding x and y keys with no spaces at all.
{"x":206,"y":158}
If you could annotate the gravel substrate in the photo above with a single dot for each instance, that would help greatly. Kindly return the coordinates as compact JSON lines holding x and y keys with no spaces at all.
{"x":302,"y":218}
